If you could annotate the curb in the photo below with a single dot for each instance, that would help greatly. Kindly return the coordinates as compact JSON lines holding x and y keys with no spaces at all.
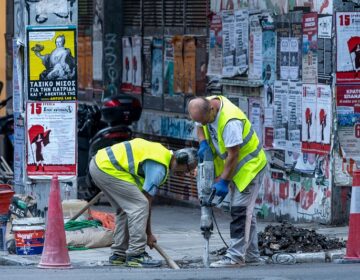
{"x":335,"y":256}
{"x":15,"y":260}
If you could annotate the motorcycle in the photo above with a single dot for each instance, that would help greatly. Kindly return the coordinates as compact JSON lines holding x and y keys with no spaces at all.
{"x":7,"y":129}
{"x":99,"y":128}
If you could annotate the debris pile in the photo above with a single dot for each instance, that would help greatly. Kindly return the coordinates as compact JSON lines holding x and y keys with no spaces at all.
{"x":286,"y":238}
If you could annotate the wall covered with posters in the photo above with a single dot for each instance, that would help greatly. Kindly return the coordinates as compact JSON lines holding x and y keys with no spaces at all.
{"x":292,"y":67}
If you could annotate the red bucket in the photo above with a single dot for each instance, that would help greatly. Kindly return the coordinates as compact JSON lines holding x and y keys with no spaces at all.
{"x":6,"y":194}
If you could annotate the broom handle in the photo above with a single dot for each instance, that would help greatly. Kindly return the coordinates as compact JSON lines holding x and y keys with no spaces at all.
{"x":86,"y":207}
{"x":169,"y":260}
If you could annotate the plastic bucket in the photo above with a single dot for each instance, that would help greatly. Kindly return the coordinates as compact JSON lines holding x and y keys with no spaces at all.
{"x":29,"y":236}
{"x":3,"y":221}
{"x":6,"y":194}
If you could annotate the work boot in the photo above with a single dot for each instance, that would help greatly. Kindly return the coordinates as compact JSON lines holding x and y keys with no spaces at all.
{"x":117,"y":259}
{"x":142,"y":260}
{"x":225,"y":261}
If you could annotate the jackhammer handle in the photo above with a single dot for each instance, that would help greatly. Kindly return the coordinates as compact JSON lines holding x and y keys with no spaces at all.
{"x":169,"y":260}
{"x":211,"y":198}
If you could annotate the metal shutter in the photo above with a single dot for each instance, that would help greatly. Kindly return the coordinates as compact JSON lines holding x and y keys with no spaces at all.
{"x":85,"y":16}
{"x":174,"y":13}
{"x":159,"y":17}
{"x":152,"y":13}
{"x":196,"y":12}
{"x":132,"y":13}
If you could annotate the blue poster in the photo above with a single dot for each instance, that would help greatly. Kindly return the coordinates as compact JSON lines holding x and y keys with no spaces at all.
{"x":19,"y":148}
{"x":157,"y":76}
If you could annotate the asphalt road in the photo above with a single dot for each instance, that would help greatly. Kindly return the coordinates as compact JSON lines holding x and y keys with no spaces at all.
{"x":328,"y":271}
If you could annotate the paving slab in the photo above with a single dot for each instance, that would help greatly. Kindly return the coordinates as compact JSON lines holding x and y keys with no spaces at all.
{"x":178,"y":234}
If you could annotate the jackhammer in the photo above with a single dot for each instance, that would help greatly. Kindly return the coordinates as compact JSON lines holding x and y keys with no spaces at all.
{"x":205,"y":180}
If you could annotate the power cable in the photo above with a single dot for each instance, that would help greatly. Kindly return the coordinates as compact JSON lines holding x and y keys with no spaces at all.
{"x":218,"y":230}
{"x":283,"y":258}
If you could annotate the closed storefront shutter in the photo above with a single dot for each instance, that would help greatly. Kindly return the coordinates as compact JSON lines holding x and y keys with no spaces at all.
{"x":162,"y":18}
{"x":85,"y":16}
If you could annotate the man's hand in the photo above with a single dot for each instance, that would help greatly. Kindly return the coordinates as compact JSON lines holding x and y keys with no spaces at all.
{"x":151,"y":240}
{"x":204,"y":146}
{"x":221,"y":187}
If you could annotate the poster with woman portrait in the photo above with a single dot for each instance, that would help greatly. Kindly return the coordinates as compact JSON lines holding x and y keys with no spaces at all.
{"x":52,"y":63}
{"x":51,"y":139}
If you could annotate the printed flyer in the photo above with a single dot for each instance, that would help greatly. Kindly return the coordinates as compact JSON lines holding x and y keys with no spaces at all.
{"x":51,"y":138}
{"x":215,"y":46}
{"x":324,"y":117}
{"x":241,"y":40}
{"x":309,"y":48}
{"x":255,"y":48}
{"x":268,"y":50}
{"x":294,"y":117}
{"x":157,"y":61}
{"x":308,"y":118}
{"x":52,"y":63}
{"x":228,"y":40}
{"x":348,"y":47}
{"x":168,"y":66}
{"x":136,"y":65}
{"x":127,"y":72}
{"x":348,"y":115}
{"x":189,"y":65}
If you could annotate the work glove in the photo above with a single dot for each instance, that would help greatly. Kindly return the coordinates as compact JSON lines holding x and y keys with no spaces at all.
{"x":221,"y":187}
{"x":204,"y":146}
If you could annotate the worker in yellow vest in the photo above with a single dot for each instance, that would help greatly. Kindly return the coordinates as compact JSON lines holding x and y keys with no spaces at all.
{"x":239,"y":162}
{"x":129,"y":174}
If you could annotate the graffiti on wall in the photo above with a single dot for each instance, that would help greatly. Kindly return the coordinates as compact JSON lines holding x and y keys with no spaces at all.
{"x":296,"y":197}
{"x":110,"y":64}
{"x":155,"y":124}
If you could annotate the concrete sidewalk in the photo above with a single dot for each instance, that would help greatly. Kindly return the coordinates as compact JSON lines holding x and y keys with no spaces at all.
{"x":177,"y":231}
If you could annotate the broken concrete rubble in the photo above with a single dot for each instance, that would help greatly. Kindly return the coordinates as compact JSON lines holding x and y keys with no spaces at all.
{"x":286,"y":238}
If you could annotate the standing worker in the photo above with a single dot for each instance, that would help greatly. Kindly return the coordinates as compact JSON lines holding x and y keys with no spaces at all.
{"x":239,"y":162}
{"x":129,"y":174}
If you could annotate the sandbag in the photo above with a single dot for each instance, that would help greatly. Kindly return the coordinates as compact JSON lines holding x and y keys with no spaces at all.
{"x":92,"y":237}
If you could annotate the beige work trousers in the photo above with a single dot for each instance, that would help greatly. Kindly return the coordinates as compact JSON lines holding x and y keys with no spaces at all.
{"x":132,"y":211}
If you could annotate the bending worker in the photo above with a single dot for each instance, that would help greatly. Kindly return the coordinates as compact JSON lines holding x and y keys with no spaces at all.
{"x":129,"y":174}
{"x":239,"y":162}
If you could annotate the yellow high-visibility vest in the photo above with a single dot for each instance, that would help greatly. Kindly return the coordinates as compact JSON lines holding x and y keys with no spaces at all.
{"x":252,"y":158}
{"x":122,"y":160}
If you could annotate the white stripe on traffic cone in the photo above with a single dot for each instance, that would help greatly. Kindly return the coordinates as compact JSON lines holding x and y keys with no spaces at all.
{"x":353,"y":243}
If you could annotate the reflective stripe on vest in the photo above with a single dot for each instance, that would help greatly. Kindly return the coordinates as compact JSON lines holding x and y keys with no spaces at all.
{"x":130,"y":157}
{"x":245,"y":141}
{"x":247,"y":158}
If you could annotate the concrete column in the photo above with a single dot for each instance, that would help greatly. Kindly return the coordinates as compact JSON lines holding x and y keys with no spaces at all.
{"x":113,"y":31}
{"x":41,"y":13}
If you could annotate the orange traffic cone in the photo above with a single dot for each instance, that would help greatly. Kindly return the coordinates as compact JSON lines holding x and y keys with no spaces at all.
{"x":55,"y":253}
{"x":353,"y":242}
